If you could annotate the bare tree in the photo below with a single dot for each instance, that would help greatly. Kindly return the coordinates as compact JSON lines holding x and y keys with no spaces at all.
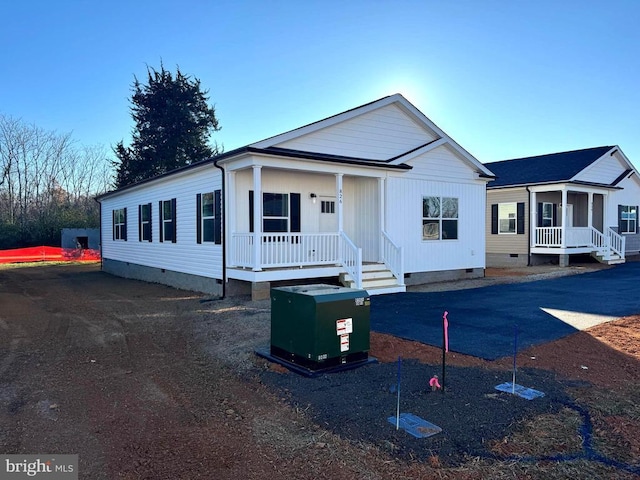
{"x":47,"y":182}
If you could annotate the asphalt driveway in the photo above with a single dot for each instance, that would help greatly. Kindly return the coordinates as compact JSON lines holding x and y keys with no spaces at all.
{"x":482,"y":320}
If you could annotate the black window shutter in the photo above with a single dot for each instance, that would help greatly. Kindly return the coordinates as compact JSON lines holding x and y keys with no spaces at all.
{"x":520,"y":218}
{"x":124,"y":237}
{"x":251,"y":211}
{"x":150,"y":223}
{"x":174,"y":223}
{"x":113,"y":223}
{"x":161,"y":222}
{"x":539,"y":224}
{"x":139,"y":223}
{"x":637,"y":227}
{"x":295,"y":212}
{"x":554,"y":223}
{"x":217,"y":222}
{"x":199,"y":218}
{"x":494,"y":218}
{"x":619,"y":218}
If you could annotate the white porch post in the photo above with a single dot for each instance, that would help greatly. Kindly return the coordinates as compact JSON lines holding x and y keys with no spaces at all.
{"x":381,"y":203}
{"x":339,"y":197}
{"x":563,"y":219}
{"x":590,"y":210}
{"x":257,"y":218}
{"x":533,"y":219}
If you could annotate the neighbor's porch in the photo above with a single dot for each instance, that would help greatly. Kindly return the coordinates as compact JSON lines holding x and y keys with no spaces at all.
{"x":572,"y":220}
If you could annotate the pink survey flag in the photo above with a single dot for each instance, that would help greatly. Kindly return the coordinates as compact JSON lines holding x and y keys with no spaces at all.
{"x":446,"y":331}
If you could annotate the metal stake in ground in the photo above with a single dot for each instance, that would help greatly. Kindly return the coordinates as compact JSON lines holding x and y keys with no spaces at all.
{"x":398,"y":405}
{"x":445,"y":344}
{"x":515,"y":353}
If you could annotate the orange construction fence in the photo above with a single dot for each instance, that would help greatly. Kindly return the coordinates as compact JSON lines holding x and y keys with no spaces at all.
{"x":48,"y":254}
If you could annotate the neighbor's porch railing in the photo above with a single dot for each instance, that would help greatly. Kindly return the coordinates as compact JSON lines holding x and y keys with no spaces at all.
{"x":581,"y":237}
{"x":279,"y":250}
{"x":392,"y":256}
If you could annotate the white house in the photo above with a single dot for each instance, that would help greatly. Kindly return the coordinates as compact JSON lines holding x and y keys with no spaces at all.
{"x":562,"y":204}
{"x":377,"y":197}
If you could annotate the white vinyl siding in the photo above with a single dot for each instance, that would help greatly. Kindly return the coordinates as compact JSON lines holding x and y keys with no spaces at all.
{"x":186,"y":255}
{"x":379,"y":135}
{"x":404,"y":210}
{"x":604,"y":170}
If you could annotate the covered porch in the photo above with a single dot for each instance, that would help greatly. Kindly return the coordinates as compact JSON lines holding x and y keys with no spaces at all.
{"x":288,"y":225}
{"x":571,"y":219}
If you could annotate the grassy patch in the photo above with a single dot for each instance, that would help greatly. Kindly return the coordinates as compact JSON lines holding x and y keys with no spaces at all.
{"x":543,"y":435}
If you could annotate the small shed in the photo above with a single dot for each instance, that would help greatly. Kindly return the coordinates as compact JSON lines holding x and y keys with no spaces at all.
{"x":84,"y":238}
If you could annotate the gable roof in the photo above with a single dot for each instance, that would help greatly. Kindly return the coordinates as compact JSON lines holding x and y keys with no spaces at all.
{"x":407,"y":107}
{"x":542,"y":169}
{"x":272,"y":146}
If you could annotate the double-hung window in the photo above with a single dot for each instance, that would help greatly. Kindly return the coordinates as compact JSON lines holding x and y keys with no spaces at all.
{"x":120,"y":224}
{"x":144,"y":222}
{"x":507,"y":216}
{"x":167,"y":220}
{"x":547,"y":214}
{"x":209,"y":217}
{"x":628,"y":218}
{"x":439,"y":218}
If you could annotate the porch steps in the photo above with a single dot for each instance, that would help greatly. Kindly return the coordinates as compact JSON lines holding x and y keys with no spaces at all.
{"x":376,"y":280}
{"x":614,"y":258}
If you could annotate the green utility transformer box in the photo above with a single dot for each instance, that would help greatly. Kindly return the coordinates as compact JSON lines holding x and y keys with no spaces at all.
{"x":320,"y":326}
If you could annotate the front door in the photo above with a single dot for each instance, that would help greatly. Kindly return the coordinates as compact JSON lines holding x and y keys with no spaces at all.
{"x":328,"y":219}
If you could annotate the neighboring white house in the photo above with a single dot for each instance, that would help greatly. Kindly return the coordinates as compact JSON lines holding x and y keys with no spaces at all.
{"x":561,"y":204}
{"x":377,"y":196}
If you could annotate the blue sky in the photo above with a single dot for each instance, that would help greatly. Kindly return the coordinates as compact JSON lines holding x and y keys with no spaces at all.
{"x":505,"y":79}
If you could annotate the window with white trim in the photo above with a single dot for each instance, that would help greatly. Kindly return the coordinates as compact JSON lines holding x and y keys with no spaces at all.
{"x":209,"y":217}
{"x":507,"y":218}
{"x":439,"y":218}
{"x":168,"y":220}
{"x":547,"y":214}
{"x":120,"y":224}
{"x":144,"y":226}
{"x":628,"y":219}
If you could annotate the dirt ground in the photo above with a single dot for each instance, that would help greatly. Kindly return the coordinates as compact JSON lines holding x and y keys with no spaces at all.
{"x":147,"y":382}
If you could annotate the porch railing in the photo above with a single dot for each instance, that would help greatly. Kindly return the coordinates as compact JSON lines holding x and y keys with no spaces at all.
{"x":589,"y":237}
{"x":392,"y":256}
{"x":285,"y":249}
{"x":351,"y":259}
{"x":279,"y":250}
{"x":548,"y":236}
{"x":617,"y":242}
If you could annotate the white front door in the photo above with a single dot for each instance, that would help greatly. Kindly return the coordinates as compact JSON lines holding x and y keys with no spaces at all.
{"x":328,"y":217}
{"x":569,"y":216}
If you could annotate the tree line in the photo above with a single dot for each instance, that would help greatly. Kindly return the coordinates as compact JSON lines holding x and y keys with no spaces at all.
{"x":47,"y":182}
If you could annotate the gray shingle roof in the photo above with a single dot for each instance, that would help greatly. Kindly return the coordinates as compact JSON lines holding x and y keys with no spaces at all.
{"x":554,"y":167}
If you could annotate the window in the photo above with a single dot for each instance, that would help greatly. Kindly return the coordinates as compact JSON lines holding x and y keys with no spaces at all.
{"x":144,"y":222}
{"x":327,"y":206}
{"x":167,"y":214}
{"x":120,"y":224}
{"x":280,"y":212}
{"x":627,"y":219}
{"x":547,"y":215}
{"x":507,"y":217}
{"x":209,"y":217}
{"x":439,"y":218}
